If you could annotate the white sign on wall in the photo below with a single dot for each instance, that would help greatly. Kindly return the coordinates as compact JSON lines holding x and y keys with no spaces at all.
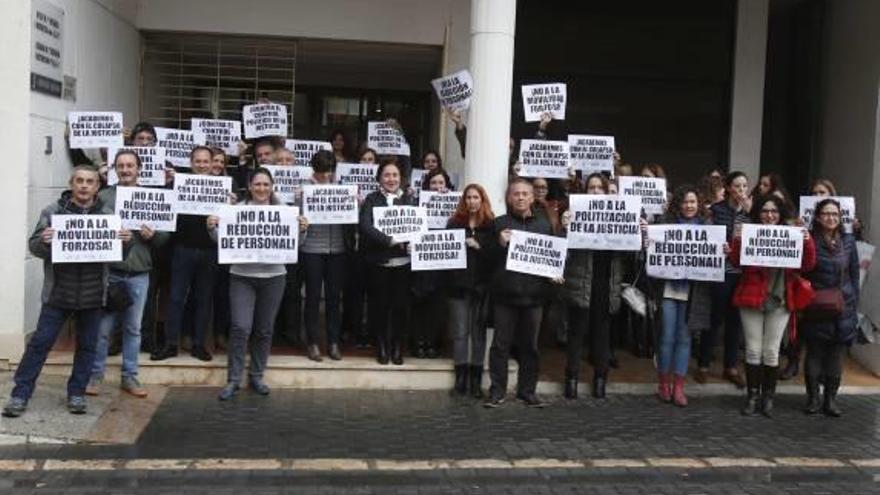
{"x":47,"y":48}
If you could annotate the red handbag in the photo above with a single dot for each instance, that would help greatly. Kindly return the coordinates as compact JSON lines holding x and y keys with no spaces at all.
{"x":827,"y":305}
{"x":802,"y":293}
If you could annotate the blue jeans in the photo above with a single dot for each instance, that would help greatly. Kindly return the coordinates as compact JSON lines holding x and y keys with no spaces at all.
{"x":675,"y":338}
{"x":137,"y":285}
{"x":48,"y":325}
{"x":193,"y":272}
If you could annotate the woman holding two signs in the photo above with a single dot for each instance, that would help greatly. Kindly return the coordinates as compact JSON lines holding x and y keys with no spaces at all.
{"x":765,"y":298}
{"x":388,"y":272}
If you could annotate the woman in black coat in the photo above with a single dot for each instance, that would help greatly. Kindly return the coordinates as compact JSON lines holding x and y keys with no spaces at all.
{"x":388,"y":266}
{"x":837,"y":266}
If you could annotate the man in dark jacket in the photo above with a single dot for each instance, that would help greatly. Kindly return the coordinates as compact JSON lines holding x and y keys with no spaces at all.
{"x":72,"y":289}
{"x":518,"y":301}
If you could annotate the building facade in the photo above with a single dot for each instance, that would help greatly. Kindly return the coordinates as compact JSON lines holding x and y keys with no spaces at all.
{"x":693,"y":85}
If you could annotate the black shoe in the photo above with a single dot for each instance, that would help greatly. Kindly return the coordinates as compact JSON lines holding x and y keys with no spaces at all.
{"x":814,"y":402}
{"x":475,"y":377}
{"x":76,"y":404}
{"x":753,"y":390}
{"x":396,"y":354}
{"x":333,"y":352}
{"x":460,"y":387}
{"x":314,"y":353}
{"x":613,"y":362}
{"x":768,"y":390}
{"x":382,"y":351}
{"x":163,"y":354}
{"x":829,"y":407}
{"x":15,"y":407}
{"x":530,"y":399}
{"x":201,"y":354}
{"x":571,"y":386}
{"x":600,"y":378}
{"x":420,"y":352}
{"x":494,"y":402}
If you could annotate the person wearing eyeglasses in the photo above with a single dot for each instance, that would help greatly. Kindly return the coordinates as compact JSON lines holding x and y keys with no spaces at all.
{"x":765,"y":302}
{"x":837,"y":267}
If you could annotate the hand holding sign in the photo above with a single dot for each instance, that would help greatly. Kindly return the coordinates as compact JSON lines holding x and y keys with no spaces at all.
{"x":454,"y":91}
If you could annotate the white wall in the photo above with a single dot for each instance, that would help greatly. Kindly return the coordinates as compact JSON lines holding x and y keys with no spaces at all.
{"x":849,"y":141}
{"x":102,"y":51}
{"x":14,"y":88}
{"x":394,"y":21}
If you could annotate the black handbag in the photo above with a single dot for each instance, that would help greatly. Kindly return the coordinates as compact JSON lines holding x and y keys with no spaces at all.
{"x":118,"y":298}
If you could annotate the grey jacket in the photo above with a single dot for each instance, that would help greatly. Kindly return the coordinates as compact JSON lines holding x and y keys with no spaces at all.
{"x":579,"y":279}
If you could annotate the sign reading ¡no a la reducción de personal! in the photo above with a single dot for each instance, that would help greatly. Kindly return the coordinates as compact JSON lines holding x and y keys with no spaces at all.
{"x":138,"y":206}
{"x":86,"y":239}
{"x":536,"y":254}
{"x":258,"y":234}
{"x":692,"y":252}
{"x":773,"y":246}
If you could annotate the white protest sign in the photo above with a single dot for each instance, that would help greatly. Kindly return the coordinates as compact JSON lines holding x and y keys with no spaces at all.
{"x":362,"y":175}
{"x":652,"y":190}
{"x":330,"y":204}
{"x":95,"y":129}
{"x":539,"y":158}
{"x":847,"y":210}
{"x":86,"y":238}
{"x":540,"y":98}
{"x":201,"y":194}
{"x":178,"y":145}
{"x":257,"y":234}
{"x":591,"y":154}
{"x":222,"y":134}
{"x":439,"y":250}
{"x":691,"y":252}
{"x":152,"y":171}
{"x":386,"y":139}
{"x":440,"y":206}
{"x":416,"y":177}
{"x":264,"y":119}
{"x":288,"y":180}
{"x":604,"y":222}
{"x":536,"y":254}
{"x":773,"y":246}
{"x":866,"y":256}
{"x":454,"y":91}
{"x":401,"y":223}
{"x":137,"y":206}
{"x":303,"y":150}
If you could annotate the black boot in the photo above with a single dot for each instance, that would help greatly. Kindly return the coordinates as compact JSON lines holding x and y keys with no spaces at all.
{"x":460,"y":387}
{"x":600,"y":378}
{"x":475,"y":376}
{"x":571,"y":386}
{"x":382,"y":350}
{"x":768,"y":390}
{"x":753,"y":390}
{"x":814,"y":403}
{"x":396,"y":352}
{"x":832,"y":384}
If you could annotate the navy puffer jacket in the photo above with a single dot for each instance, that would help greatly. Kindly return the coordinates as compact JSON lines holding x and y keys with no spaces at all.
{"x":836,"y":267}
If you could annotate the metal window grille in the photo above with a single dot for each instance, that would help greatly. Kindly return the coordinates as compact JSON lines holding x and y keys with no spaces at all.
{"x":198,"y":76}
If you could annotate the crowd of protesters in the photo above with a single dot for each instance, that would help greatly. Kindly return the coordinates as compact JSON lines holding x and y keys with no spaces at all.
{"x":372,"y":298}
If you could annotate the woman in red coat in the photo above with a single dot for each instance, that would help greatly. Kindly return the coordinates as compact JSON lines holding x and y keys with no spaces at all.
{"x":765,"y":298}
